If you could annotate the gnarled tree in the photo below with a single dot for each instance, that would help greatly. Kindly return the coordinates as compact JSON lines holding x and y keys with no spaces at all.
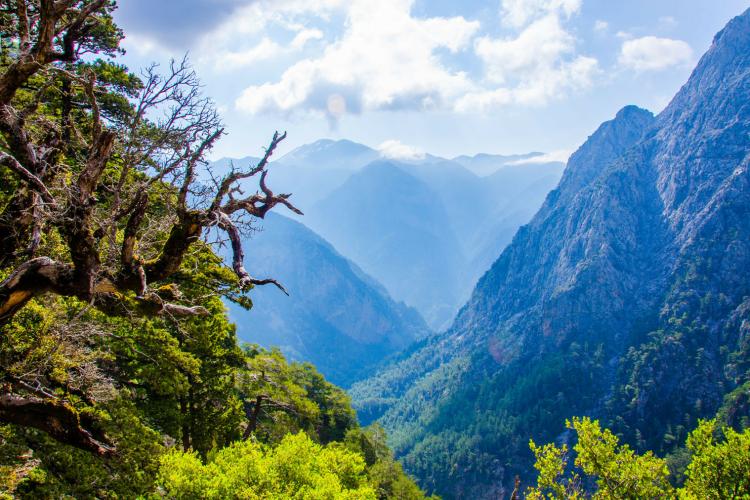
{"x":108,"y":169}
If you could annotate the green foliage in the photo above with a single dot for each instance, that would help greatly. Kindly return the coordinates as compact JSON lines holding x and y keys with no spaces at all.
{"x":620,"y":472}
{"x":478,"y":432}
{"x":291,"y":397}
{"x":551,"y":463}
{"x":199,"y":363}
{"x":53,"y":470}
{"x":385,"y":474}
{"x":188,"y":384}
{"x":295,"y":468}
{"x":718,"y":468}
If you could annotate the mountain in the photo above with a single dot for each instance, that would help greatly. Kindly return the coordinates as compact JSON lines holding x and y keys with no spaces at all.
{"x":465,"y":197}
{"x":327,"y":154}
{"x":394,"y":227}
{"x":625,"y":298}
{"x":519,"y":191}
{"x":386,"y":214}
{"x":333,"y":185}
{"x":222,"y":166}
{"x":485,"y":212}
{"x":310,"y":172}
{"x":335,"y":316}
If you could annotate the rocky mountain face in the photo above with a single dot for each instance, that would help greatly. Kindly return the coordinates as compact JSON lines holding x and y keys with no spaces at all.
{"x":335,"y":316}
{"x":625,"y":298}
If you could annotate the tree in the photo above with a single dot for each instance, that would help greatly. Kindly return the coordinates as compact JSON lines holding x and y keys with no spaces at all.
{"x":274,"y":401}
{"x":717,"y":469}
{"x":103,"y":197}
{"x":296,"y":468}
{"x":281,"y":397}
{"x":385,"y":474}
{"x":619,"y":472}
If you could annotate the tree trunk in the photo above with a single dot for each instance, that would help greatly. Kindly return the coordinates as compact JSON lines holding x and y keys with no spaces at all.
{"x":252,"y":421}
{"x":185,"y":425}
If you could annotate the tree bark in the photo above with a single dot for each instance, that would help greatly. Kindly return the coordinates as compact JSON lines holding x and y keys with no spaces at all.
{"x":30,"y":279}
{"x":57,"y":419}
{"x":252,"y":421}
{"x":184,"y":414}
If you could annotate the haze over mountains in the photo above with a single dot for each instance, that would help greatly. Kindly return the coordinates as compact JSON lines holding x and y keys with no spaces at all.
{"x":335,"y":317}
{"x":425,"y":228}
{"x":626,"y":298}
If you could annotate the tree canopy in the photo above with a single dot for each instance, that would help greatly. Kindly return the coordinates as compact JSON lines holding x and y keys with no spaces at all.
{"x":719,"y":466}
{"x":106,"y":197}
{"x":119,"y":367}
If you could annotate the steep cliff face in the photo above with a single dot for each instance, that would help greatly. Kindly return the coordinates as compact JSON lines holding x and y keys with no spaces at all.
{"x":625,"y":298}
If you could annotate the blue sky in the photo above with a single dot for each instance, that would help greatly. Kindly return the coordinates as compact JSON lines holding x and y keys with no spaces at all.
{"x":440,"y":76}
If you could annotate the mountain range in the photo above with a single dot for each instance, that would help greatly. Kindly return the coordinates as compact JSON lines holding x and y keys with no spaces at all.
{"x":399,"y":241}
{"x":335,"y":316}
{"x":384,"y":213}
{"x":625,"y":298}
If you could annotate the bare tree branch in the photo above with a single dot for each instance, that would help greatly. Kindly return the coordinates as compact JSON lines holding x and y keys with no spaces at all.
{"x":120,"y":190}
{"x":238,"y":255}
{"x":28,"y":177}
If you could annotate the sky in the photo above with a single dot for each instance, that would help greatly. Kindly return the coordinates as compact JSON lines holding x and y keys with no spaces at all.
{"x":409,"y":77}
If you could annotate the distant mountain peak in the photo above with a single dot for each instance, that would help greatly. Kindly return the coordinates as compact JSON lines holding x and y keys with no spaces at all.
{"x":329,"y":153}
{"x":484,"y":164}
{"x":626,"y":129}
{"x":633,"y":112}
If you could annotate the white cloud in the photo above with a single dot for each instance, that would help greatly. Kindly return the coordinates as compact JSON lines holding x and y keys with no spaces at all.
{"x":385,"y":59}
{"x":601,"y":26}
{"x":539,"y":46}
{"x":395,"y":150}
{"x":304,"y":36}
{"x":143,"y":46}
{"x":538,"y":65}
{"x":555,"y":156}
{"x":668,"y":22}
{"x":650,"y":53}
{"x":518,"y":13}
{"x":243,"y":39}
{"x":265,"y":49}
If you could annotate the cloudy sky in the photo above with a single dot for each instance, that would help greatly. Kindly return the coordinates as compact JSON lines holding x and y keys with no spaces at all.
{"x":444,"y":76}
